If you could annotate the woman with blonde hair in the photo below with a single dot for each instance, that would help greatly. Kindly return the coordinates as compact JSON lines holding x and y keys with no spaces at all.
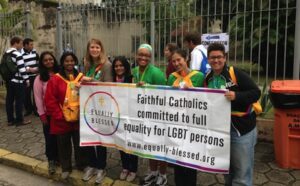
{"x":96,"y":64}
{"x":97,"y":68}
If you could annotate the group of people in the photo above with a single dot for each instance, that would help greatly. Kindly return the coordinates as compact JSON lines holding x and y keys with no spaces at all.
{"x":183,"y":71}
{"x":19,"y":87}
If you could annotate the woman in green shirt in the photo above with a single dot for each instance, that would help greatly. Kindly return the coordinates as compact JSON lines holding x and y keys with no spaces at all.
{"x":184,"y":77}
{"x":146,"y":73}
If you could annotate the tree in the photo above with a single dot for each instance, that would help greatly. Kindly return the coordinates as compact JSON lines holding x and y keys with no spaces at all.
{"x":267,"y":26}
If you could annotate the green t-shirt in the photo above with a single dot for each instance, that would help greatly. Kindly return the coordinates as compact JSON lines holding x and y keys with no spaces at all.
{"x":197,"y":79}
{"x":152,"y":75}
{"x":217,"y":82}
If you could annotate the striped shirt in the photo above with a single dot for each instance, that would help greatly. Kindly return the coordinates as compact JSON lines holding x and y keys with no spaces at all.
{"x":17,"y":58}
{"x":30,"y":59}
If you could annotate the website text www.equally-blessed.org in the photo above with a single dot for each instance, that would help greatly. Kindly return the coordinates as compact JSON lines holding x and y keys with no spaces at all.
{"x":176,"y":151}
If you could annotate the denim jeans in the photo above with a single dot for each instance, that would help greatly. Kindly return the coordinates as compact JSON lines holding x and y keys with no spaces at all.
{"x":241,"y":158}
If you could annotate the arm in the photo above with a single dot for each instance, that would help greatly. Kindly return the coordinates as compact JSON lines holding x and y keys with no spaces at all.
{"x":249,"y":92}
{"x":107,"y":73}
{"x":39,"y":100}
{"x":21,"y":65}
{"x":171,"y":80}
{"x":52,"y":99}
{"x":196,"y":59}
{"x":199,"y":80}
{"x":158,"y":78}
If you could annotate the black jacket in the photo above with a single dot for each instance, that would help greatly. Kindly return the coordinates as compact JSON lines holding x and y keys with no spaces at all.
{"x":247,"y":92}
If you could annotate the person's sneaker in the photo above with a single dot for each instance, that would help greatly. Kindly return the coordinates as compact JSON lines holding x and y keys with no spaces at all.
{"x":88,"y":173}
{"x":131,"y":176}
{"x":161,"y":180}
{"x":149,"y":179}
{"x":100,"y":175}
{"x":124,"y":174}
{"x":51,"y":167}
{"x":65,"y":175}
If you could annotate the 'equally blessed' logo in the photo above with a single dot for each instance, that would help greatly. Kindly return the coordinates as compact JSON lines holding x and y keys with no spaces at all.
{"x":102,"y":113}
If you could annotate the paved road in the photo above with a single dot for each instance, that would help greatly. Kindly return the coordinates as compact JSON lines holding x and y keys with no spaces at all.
{"x":15,"y":177}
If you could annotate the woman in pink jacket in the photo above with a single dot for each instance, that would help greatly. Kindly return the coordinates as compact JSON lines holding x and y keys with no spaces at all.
{"x":47,"y":67}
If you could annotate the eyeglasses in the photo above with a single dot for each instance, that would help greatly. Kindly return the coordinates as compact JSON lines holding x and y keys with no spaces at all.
{"x":215,"y":57}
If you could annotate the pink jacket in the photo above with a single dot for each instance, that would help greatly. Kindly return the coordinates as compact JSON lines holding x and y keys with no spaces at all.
{"x":39,"y":88}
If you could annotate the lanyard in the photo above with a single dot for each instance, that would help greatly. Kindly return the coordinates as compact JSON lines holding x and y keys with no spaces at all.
{"x":138,"y":74}
{"x":99,"y":67}
{"x":98,"y":72}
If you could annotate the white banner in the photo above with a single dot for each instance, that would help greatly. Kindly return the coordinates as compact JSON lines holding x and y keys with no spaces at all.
{"x":222,"y":38}
{"x":186,"y":127}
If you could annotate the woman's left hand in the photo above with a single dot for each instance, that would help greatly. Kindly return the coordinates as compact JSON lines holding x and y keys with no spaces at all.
{"x":230,"y":95}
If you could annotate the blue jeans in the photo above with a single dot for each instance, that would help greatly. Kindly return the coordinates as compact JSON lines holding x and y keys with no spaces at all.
{"x":241,"y":158}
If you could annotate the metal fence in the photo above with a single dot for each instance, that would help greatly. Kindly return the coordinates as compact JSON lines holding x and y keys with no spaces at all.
{"x":261,"y":32}
{"x":12,"y":24}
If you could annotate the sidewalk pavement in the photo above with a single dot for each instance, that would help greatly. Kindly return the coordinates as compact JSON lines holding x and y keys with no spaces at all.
{"x":23,"y":147}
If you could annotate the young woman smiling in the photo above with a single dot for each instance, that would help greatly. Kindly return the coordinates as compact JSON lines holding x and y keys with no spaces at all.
{"x":121,"y":74}
{"x":146,"y":73}
{"x":48,"y":66}
{"x":184,"y":77}
{"x":98,"y":68}
{"x":66,"y":132}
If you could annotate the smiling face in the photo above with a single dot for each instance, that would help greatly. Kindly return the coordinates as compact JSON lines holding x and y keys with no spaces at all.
{"x":48,"y":61}
{"x":143,"y":57}
{"x":69,"y":63}
{"x":179,"y":62}
{"x":29,"y":46}
{"x":119,"y":68}
{"x":94,"y":50}
{"x":217,"y":59}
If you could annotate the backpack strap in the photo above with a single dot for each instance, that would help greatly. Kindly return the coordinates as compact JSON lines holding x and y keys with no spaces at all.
{"x":204,"y":62}
{"x":256,"y":107}
{"x":232,"y":75}
{"x":79,"y":76}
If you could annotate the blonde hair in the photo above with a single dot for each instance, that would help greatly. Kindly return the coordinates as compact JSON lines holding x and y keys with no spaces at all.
{"x":88,"y":58}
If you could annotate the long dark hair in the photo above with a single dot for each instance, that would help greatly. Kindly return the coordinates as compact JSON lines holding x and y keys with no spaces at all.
{"x":44,"y":73}
{"x":125,"y":63}
{"x":62,"y":60}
